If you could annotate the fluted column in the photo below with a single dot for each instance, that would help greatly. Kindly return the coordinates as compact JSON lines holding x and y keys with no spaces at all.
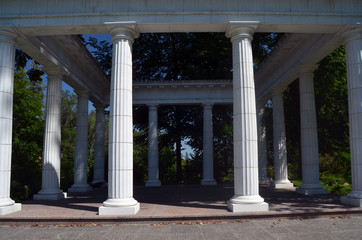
{"x":246,"y":185}
{"x":120,"y":160}
{"x":52,"y":139}
{"x":208,"y":150}
{"x":7,"y":59}
{"x":81,"y":145}
{"x":262,"y":152}
{"x":99,"y":145}
{"x":353,"y":42}
{"x":153,"y":178}
{"x":309,"y":135}
{"x":280,"y":143}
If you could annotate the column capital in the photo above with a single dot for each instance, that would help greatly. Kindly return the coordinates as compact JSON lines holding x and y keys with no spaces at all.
{"x":53,"y":72}
{"x":277,"y":91}
{"x":7,"y":35}
{"x":123,"y":30}
{"x":351,"y":32}
{"x":99,"y":106}
{"x":307,"y":69}
{"x":153,"y":105}
{"x":82,"y":92}
{"x":207,"y":105}
{"x":241,"y":29}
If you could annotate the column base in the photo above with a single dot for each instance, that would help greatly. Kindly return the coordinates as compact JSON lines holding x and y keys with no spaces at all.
{"x":10,"y":209}
{"x":98,"y":182}
{"x":254,"y":207}
{"x":79,"y":188}
{"x":50,"y":196}
{"x":281,"y":184}
{"x":125,"y":206}
{"x":153,"y":183}
{"x":208,"y":182}
{"x":311,"y":189}
{"x":354,"y":198}
{"x":265,"y":181}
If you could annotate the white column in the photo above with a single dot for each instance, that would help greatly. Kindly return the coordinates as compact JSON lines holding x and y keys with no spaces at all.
{"x":99,"y":145}
{"x":246,"y":186}
{"x":81,"y":145}
{"x":309,"y":135}
{"x":208,"y":142}
{"x":262,"y":151}
{"x":280,"y":143}
{"x":120,"y":160}
{"x":153,"y":179}
{"x":52,"y":139}
{"x":7,"y":59}
{"x":353,"y":42}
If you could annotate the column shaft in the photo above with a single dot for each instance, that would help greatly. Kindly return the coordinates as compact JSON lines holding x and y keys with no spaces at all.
{"x":81,"y":145}
{"x":246,"y":185}
{"x":120,"y":160}
{"x":280,"y":144}
{"x":153,"y":176}
{"x":262,"y":151}
{"x":309,"y":136}
{"x":52,"y":140}
{"x":7,"y":59}
{"x":353,"y":42}
{"x":99,"y":145}
{"x":208,"y":142}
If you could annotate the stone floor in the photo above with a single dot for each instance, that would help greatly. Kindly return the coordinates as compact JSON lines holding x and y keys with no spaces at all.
{"x":177,"y":203}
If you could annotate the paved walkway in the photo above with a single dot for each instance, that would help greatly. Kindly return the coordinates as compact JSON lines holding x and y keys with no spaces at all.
{"x":176,"y":203}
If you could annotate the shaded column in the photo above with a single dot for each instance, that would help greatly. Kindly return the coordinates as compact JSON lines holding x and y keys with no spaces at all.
{"x":99,"y":145}
{"x":309,"y":135}
{"x":280,"y":143}
{"x":7,"y":59}
{"x":52,"y":139}
{"x":262,"y":151}
{"x":120,"y":160}
{"x":153,"y":176}
{"x":208,"y":150}
{"x":353,"y":42}
{"x":246,"y":186}
{"x":81,"y":145}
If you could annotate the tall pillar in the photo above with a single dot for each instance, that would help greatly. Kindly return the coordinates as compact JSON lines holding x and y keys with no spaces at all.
{"x":153,"y":179}
{"x":52,"y":139}
{"x":208,"y":142}
{"x":246,"y":185}
{"x":81,"y":145}
{"x":353,"y":42}
{"x":99,"y":145}
{"x":262,"y":151}
{"x":120,"y":160}
{"x":309,"y":135}
{"x":280,"y":143}
{"x":7,"y":59}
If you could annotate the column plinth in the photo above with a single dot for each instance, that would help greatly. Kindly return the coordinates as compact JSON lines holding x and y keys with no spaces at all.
{"x":280,"y":144}
{"x":353,"y":42}
{"x":81,"y":145}
{"x":99,"y":145}
{"x":246,"y":186}
{"x":7,"y":59}
{"x":153,"y":173}
{"x":52,"y":138}
{"x":120,"y":158}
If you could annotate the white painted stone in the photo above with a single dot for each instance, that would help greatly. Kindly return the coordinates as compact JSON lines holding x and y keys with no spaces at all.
{"x":153,"y":173}
{"x":246,"y":185}
{"x":262,"y":151}
{"x":52,"y":138}
{"x":81,"y":145}
{"x":120,"y":158}
{"x":309,"y":135}
{"x":208,"y":155}
{"x":280,"y":144}
{"x":7,"y":59}
{"x":99,"y":145}
{"x":353,"y":42}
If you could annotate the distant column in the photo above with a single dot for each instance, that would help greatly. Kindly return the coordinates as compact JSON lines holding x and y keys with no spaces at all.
{"x":120,"y":158}
{"x":153,"y":177}
{"x":52,"y":139}
{"x":81,"y":145}
{"x":99,"y":145}
{"x":353,"y":42}
{"x":309,"y":135}
{"x":208,"y":154}
{"x":262,"y":152}
{"x":246,"y":185}
{"x":7,"y":59}
{"x":280,"y":143}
